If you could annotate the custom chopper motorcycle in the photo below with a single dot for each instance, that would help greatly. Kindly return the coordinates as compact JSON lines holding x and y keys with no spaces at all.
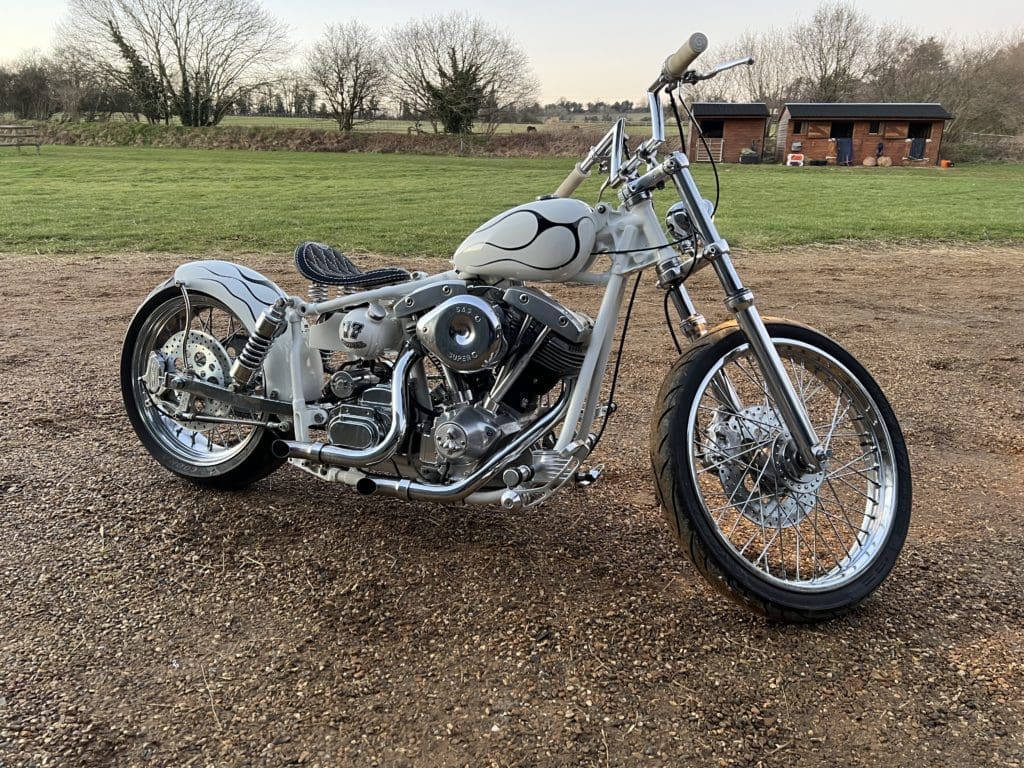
{"x":777,"y":459}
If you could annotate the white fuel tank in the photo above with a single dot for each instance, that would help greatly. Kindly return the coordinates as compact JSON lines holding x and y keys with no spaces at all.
{"x":546,"y":240}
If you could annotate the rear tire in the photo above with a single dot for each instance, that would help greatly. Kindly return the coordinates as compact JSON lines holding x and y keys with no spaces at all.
{"x":790,"y":545}
{"x":224,"y":457}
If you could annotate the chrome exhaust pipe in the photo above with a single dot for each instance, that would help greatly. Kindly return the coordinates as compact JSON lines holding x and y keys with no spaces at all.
{"x":332,"y":455}
{"x":412,"y":491}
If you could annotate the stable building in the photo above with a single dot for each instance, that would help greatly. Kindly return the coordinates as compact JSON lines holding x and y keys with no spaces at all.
{"x":734,"y":132}
{"x":850,"y":133}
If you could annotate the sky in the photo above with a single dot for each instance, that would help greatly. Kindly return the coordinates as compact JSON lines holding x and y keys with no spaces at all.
{"x":581,"y":50}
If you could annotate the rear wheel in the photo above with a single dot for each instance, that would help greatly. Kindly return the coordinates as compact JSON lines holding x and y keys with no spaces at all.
{"x":789,"y":543}
{"x":171,"y":424}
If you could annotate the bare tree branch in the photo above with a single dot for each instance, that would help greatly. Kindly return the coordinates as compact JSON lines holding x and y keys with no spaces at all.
{"x":832,"y":51}
{"x":346,"y":64}
{"x":207,"y":53}
{"x":422,"y":50}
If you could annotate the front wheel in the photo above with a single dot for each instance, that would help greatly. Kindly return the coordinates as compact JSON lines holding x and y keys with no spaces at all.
{"x":790,"y":544}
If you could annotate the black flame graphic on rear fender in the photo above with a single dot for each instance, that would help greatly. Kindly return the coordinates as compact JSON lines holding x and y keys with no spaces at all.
{"x":543,"y":225}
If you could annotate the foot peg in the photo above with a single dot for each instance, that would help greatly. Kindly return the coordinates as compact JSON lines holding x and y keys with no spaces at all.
{"x":591,"y":476}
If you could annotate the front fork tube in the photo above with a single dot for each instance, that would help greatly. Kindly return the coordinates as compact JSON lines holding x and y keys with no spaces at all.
{"x":694,"y":326}
{"x":740,"y":302}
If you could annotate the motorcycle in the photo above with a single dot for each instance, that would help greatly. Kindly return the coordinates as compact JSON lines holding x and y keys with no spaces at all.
{"x":777,"y":460}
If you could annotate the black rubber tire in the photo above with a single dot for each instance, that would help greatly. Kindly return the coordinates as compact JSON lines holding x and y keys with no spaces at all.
{"x":689,"y":521}
{"x":241,"y":470}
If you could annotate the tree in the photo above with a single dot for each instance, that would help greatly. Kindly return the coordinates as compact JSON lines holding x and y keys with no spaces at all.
{"x":347,"y":66}
{"x":295,"y":89}
{"x":569,"y":107}
{"x":28,"y":92}
{"x":983,"y":90}
{"x":457,"y":96}
{"x":770,"y":79}
{"x":831,"y":50}
{"x":904,"y":67}
{"x":147,"y":93}
{"x":75,"y":85}
{"x":433,"y":61}
{"x":204,"y":53}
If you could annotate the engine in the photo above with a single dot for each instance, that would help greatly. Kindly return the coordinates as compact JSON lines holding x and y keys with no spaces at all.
{"x":465,"y":333}
{"x":471,"y":334}
{"x":492,"y":355}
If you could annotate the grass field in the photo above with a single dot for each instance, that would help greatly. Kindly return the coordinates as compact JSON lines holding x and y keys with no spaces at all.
{"x":78,"y":199}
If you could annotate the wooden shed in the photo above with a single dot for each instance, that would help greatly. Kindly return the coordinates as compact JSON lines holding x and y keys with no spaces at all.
{"x":845,"y":133}
{"x":728,"y":130}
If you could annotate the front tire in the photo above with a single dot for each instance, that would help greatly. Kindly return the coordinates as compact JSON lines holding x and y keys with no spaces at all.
{"x":222,"y":456}
{"x":789,"y":544}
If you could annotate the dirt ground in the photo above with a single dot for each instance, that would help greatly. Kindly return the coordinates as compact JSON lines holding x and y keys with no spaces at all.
{"x":145,"y":622}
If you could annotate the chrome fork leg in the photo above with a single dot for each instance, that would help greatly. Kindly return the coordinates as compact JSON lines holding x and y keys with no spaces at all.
{"x":741,"y":303}
{"x":809,"y":447}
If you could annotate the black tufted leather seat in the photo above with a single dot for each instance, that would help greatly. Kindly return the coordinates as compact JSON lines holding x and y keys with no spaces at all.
{"x":320,"y":263}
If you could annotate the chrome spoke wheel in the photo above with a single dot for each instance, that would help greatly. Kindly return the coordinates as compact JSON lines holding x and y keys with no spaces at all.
{"x":183,"y":426}
{"x":792,"y":542}
{"x":801,"y":529}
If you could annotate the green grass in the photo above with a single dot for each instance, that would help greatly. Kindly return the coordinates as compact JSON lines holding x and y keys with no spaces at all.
{"x":79,"y":199}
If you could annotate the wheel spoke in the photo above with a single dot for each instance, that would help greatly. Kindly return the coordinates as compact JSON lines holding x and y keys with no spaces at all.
{"x":733,"y":457}
{"x":842,"y":507}
{"x":191,"y":442}
{"x":854,"y":471}
{"x":813,"y":519}
{"x":805,"y":530}
{"x":827,"y":442}
{"x":744,"y":418}
{"x":853,"y":488}
{"x":755,"y":380}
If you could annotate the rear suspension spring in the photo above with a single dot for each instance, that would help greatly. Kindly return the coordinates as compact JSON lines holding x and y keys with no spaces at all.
{"x":270,"y":323}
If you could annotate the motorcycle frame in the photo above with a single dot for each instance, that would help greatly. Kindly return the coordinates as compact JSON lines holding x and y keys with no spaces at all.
{"x":632,"y":238}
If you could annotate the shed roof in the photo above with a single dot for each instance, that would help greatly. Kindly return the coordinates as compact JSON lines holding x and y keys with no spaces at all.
{"x":864,"y":110}
{"x":723,"y":109}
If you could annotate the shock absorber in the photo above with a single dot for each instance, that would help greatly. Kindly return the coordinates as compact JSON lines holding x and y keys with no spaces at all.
{"x":269,"y":324}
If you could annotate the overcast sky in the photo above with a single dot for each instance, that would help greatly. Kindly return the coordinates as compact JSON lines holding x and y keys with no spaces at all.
{"x":583,"y":51}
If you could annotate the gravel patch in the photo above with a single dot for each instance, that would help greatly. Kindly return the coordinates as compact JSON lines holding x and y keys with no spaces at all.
{"x":147,"y":623}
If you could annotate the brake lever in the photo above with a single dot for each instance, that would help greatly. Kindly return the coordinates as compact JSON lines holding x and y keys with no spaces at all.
{"x":692,"y":76}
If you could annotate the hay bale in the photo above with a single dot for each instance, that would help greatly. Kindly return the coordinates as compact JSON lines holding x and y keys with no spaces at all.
{"x":870,"y":162}
{"x":884,"y":162}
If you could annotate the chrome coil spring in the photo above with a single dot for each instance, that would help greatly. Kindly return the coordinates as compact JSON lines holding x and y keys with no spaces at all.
{"x":319,"y":292}
{"x":269,"y":324}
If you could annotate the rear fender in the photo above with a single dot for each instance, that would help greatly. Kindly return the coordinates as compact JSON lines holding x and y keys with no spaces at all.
{"x":247,"y":293}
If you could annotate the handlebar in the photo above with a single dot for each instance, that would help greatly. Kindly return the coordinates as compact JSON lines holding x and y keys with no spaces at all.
{"x":681,"y":60}
{"x":572,"y":182}
{"x":674,"y":71}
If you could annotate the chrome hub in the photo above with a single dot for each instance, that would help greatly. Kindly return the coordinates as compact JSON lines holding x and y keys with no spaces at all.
{"x":207,"y":360}
{"x":754,"y":458}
